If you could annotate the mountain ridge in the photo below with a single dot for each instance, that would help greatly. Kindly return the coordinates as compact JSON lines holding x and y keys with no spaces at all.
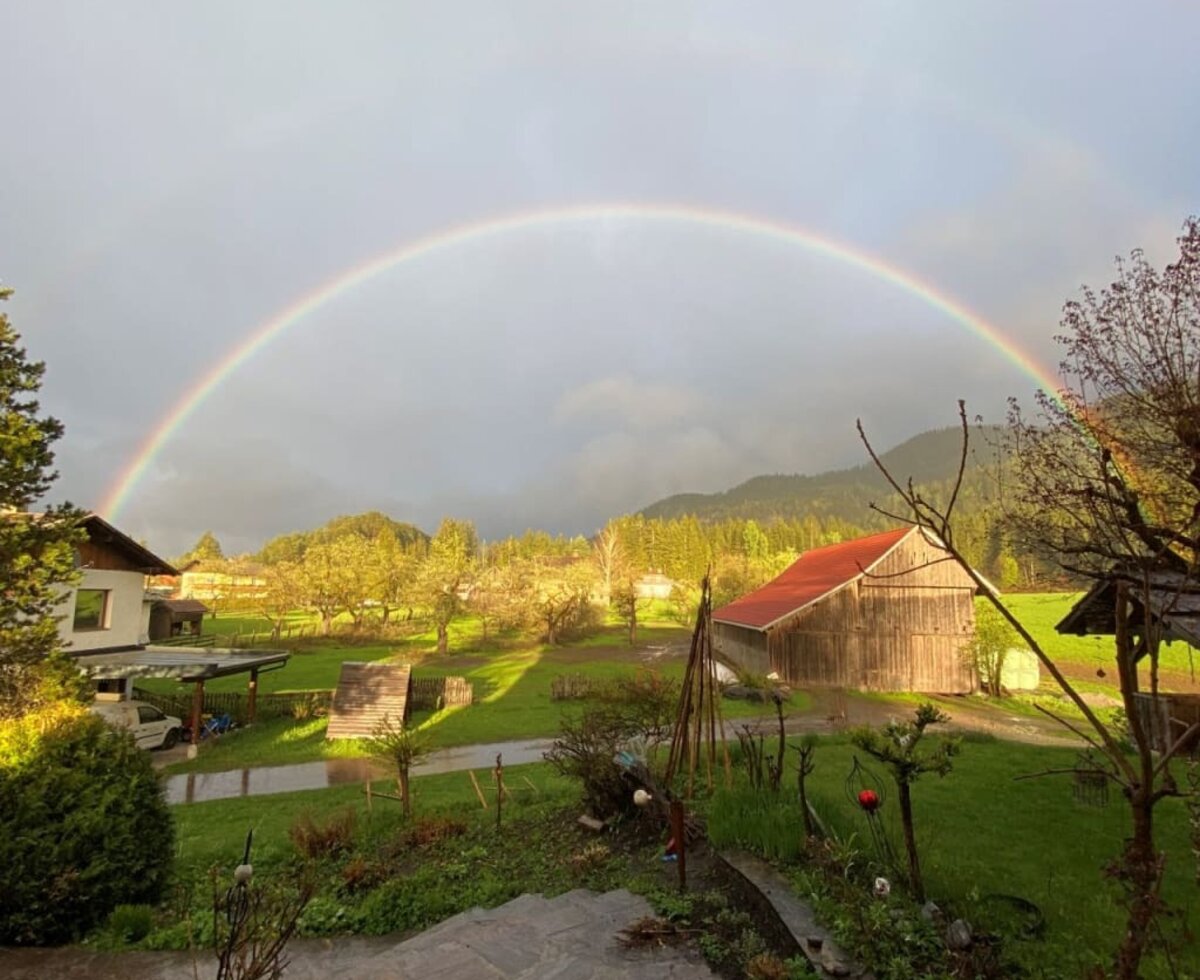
{"x":930,"y":458}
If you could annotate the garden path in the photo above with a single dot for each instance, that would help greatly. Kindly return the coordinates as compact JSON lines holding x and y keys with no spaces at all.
{"x":825,"y":716}
{"x":199,"y":787}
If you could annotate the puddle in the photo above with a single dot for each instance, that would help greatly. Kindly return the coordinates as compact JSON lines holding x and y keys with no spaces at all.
{"x":200,"y":787}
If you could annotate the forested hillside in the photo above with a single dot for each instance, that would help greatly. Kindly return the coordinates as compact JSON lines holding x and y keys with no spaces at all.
{"x":836,"y":505}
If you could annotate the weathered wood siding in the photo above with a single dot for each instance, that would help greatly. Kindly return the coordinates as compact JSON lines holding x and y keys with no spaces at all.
{"x":902,"y":627}
{"x":742,"y":647}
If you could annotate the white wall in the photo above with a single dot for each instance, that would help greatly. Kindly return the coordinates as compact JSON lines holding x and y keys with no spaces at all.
{"x":124,"y":623}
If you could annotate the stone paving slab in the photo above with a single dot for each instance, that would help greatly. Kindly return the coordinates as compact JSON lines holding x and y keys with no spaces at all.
{"x":570,"y":937}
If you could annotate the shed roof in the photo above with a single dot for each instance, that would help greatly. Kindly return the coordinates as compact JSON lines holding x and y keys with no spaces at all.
{"x":1174,"y":601}
{"x":181,"y":605}
{"x":812,"y":576}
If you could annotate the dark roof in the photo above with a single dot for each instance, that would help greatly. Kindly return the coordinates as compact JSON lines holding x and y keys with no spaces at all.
{"x":814,"y":575}
{"x":186,"y":665}
{"x":1174,"y":601}
{"x":181,"y":605}
{"x":101,"y":532}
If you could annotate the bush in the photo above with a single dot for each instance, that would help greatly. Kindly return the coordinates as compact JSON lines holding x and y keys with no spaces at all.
{"x":314,"y":840}
{"x":84,"y":826}
{"x":131,"y":923}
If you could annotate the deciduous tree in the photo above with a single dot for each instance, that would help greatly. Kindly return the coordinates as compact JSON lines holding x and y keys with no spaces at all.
{"x":446,"y":574}
{"x":1104,"y":479}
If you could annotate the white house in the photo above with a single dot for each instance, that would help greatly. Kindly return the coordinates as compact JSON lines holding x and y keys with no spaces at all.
{"x":108,"y":610}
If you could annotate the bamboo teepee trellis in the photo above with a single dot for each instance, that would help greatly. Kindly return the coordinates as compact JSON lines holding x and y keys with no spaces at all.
{"x":698,"y":723}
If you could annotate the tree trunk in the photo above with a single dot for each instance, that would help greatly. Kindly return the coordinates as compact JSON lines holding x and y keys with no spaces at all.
{"x":387,"y":611}
{"x":326,"y":624}
{"x":633,"y":627}
{"x":443,"y":639}
{"x":1140,"y":872}
{"x":402,"y":785}
{"x":910,"y":843}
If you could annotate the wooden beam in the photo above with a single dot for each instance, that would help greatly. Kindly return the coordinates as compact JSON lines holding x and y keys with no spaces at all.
{"x":252,"y":697}
{"x":197,"y":710}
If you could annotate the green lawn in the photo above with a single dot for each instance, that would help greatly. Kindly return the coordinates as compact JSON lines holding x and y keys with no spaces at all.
{"x":512,"y":699}
{"x":982,"y":832}
{"x":1040,"y":612}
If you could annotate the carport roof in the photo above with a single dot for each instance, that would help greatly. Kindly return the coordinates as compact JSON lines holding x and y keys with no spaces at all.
{"x":190,"y":665}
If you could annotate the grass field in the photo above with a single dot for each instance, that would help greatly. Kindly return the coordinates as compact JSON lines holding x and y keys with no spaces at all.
{"x":512,"y":694}
{"x":1040,"y":612}
{"x":512,"y":680}
{"x":980,"y":831}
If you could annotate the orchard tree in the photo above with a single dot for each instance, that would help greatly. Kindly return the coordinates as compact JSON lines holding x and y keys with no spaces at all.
{"x":207,"y":548}
{"x":37,"y":553}
{"x":1104,"y":480}
{"x":446,"y":574}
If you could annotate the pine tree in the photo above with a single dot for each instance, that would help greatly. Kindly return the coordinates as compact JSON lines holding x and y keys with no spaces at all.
{"x":37,"y":552}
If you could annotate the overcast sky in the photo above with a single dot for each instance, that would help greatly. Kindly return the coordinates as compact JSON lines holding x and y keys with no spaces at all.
{"x":173,"y":175}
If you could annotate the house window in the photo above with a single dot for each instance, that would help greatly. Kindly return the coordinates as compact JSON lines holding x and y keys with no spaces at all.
{"x":91,"y":609}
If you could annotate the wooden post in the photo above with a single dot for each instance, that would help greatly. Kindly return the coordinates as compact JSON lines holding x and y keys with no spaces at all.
{"x":252,"y":698}
{"x":679,"y":835}
{"x":368,"y":796}
{"x":498,"y":772}
{"x":197,"y":711}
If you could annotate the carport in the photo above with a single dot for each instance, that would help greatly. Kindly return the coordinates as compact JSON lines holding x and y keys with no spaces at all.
{"x":192,"y":666}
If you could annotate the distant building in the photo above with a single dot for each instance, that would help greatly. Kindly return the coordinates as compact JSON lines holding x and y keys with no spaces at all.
{"x":654,"y":585}
{"x":232,"y":588}
{"x":886,"y":612}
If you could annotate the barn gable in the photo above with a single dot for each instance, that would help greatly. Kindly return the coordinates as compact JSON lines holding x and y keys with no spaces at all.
{"x":887,"y":612}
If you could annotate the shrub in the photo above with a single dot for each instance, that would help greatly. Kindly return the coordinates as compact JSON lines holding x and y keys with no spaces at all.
{"x":84,"y":825}
{"x":131,"y":923}
{"x":401,"y":747}
{"x":316,"y":841}
{"x":432,"y":830}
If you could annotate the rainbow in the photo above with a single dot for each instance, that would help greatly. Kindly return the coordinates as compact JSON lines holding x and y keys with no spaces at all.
{"x":122,"y":488}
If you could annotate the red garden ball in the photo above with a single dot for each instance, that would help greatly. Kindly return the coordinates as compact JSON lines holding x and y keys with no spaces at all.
{"x":868,"y":799}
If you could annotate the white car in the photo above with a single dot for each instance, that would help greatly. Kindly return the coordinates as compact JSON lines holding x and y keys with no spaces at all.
{"x":151,"y":729}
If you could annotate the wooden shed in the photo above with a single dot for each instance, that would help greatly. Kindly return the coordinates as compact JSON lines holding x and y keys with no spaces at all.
{"x":1169,"y":603}
{"x":176,"y":617}
{"x":888,"y":612}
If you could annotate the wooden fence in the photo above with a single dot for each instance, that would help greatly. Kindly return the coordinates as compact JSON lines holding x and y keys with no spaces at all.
{"x":189,"y":640}
{"x":441,"y":692}
{"x":300,"y":705}
{"x":428,"y":693}
{"x":1167,"y":717}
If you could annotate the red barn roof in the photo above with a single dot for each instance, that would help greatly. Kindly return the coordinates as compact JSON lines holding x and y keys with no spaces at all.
{"x":810,"y":577}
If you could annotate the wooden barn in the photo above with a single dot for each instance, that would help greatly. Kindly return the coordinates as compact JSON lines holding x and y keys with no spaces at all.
{"x":886,"y":612}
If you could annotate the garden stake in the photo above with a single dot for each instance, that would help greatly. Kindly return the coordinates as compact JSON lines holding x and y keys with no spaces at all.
{"x":679,"y":835}
{"x":478,"y":791}
{"x":498,"y":773}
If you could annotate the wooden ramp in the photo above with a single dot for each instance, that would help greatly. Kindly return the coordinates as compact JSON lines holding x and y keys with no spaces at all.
{"x":367,"y":692}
